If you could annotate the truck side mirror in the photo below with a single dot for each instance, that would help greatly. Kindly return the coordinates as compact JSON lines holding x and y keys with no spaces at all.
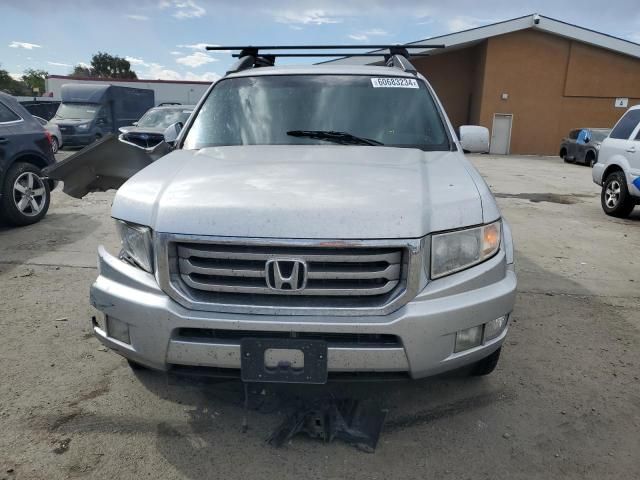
{"x":474,"y":139}
{"x":171,"y":133}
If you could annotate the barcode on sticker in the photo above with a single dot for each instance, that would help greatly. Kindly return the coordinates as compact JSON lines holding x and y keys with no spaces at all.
{"x":394,"y":82}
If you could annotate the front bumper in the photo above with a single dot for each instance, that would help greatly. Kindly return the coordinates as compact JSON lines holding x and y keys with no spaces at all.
{"x":425,"y":327}
{"x":78,"y":139}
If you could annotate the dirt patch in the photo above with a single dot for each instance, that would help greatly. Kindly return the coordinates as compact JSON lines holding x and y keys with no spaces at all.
{"x":547,"y":197}
{"x":61,"y":446}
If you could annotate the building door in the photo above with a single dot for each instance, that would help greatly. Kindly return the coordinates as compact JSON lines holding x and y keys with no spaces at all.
{"x":501,"y":134}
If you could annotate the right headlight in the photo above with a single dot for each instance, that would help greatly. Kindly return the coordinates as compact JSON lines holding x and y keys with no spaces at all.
{"x":455,"y":251}
{"x":137,"y":246}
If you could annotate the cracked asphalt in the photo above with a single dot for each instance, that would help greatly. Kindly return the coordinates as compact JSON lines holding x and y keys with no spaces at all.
{"x":564,"y":401}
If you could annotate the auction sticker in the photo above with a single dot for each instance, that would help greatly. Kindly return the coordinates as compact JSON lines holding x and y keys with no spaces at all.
{"x":394,"y":82}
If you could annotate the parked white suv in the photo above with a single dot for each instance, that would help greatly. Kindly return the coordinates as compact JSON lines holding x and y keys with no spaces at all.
{"x":310,"y":221}
{"x":618,"y":167}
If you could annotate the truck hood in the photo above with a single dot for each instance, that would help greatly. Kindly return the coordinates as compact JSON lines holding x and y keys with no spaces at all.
{"x":135,"y":129}
{"x":338,"y":192}
{"x":70,"y":121}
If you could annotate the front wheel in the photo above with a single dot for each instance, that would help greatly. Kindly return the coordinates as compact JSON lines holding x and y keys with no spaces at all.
{"x":55,"y":145}
{"x":25,"y":195}
{"x":615,"y":198}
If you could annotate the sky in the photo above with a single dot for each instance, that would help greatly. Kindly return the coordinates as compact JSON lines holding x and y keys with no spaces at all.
{"x":165,"y":39}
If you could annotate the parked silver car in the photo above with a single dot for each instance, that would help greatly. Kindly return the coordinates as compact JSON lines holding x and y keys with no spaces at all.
{"x":582,"y":145}
{"x":148,"y":131}
{"x":54,"y":131}
{"x":618,"y":168}
{"x":311,"y":220}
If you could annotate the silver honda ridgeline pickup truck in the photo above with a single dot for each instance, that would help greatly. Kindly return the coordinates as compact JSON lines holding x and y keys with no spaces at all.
{"x":311,"y":222}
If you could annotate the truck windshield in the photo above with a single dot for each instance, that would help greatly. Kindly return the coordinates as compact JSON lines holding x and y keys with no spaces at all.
{"x":273,"y":110}
{"x":77,"y":111}
{"x":163,"y":117}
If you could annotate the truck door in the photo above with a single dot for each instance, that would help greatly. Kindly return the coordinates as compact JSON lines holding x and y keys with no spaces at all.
{"x":623,"y":140}
{"x":633,"y":156}
{"x":104,"y":120}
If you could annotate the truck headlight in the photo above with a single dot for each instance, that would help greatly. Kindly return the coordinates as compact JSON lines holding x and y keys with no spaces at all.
{"x":136,"y":244}
{"x":455,"y":251}
{"x":82,"y":126}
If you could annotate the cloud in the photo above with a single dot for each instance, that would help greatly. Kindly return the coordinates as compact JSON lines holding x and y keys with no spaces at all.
{"x":196,"y":59}
{"x":140,"y":18}
{"x":156,"y":71}
{"x":83,"y":65}
{"x":136,"y":61}
{"x":25,"y":45}
{"x":16,"y":76}
{"x":374,"y":32}
{"x":194,"y":46}
{"x":58,"y":64}
{"x":175,"y":52}
{"x":183,"y":9}
{"x":306,"y":17}
{"x":459,"y":23}
{"x":203,"y":77}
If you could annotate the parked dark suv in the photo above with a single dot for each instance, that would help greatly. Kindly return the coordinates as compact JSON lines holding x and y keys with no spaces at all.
{"x":25,"y":149}
{"x":583,"y":145}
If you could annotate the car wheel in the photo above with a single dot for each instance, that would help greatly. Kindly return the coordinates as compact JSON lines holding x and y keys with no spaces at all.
{"x":615,"y":198}
{"x":486,"y":365}
{"x":25,"y":195}
{"x":590,"y":159}
{"x":55,"y":145}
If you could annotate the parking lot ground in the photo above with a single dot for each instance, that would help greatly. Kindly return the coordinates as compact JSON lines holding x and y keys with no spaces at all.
{"x":564,"y":401}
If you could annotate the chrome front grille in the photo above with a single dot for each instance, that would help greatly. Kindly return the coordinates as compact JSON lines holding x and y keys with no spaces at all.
{"x":330,"y":271}
{"x":341,"y":278}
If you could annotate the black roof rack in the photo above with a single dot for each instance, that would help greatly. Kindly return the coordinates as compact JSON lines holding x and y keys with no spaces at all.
{"x":250,"y":56}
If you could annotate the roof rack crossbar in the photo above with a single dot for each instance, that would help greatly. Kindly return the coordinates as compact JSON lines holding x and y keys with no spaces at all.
{"x":396,"y":56}
{"x":332,"y":54}
{"x":322,"y":47}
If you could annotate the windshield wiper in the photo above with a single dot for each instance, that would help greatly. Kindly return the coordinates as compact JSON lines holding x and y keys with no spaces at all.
{"x":343,"y":138}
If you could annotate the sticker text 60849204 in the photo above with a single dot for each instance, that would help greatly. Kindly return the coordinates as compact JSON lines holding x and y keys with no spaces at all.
{"x":394,"y":82}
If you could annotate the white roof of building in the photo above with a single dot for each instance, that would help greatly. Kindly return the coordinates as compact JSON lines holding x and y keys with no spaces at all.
{"x":538,"y":22}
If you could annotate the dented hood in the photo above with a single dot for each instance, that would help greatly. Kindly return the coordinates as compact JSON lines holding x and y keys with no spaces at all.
{"x":305,"y":191}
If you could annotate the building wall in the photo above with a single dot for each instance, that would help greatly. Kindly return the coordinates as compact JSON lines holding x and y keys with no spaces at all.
{"x":453,"y":76}
{"x":554,"y":84}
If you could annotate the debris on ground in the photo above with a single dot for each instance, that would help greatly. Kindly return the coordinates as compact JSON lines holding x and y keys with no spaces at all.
{"x":356,"y":422}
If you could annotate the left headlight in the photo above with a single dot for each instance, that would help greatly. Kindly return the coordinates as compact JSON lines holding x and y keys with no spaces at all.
{"x":82,"y":126}
{"x":455,"y":251}
{"x":136,"y":244}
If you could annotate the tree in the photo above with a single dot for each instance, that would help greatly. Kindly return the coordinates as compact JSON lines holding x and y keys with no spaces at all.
{"x":81,"y":71}
{"x":34,"y":79}
{"x":10,"y":85}
{"x":104,"y":65}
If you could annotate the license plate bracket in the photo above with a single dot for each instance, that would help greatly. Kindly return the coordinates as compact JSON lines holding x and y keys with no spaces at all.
{"x":253,"y":368}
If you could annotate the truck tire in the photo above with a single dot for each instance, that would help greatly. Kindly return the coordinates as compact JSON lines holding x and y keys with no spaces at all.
{"x":55,"y":145}
{"x":486,"y":365}
{"x":615,"y":198}
{"x":25,"y":195}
